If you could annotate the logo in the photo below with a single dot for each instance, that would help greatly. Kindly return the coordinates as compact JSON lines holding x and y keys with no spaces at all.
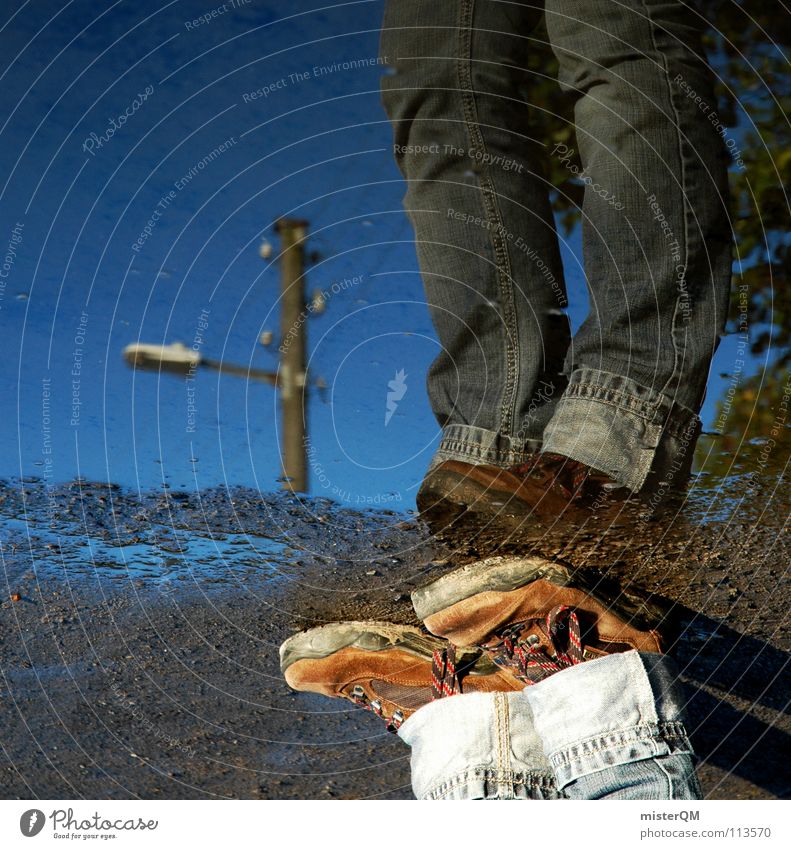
{"x":31,"y":822}
{"x":397,"y":391}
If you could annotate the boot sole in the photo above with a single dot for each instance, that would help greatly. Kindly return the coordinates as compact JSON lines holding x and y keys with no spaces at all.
{"x":451,"y":494}
{"x":321,"y":642}
{"x":454,"y":501}
{"x":474,"y":510}
{"x":505,"y":574}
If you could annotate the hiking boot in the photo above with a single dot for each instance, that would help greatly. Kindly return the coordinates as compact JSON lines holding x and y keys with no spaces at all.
{"x":391,"y":670}
{"x":528,"y":611}
{"x":546,"y":486}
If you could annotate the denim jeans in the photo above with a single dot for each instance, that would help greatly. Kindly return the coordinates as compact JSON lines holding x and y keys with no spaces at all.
{"x":623,"y":394}
{"x":611,"y":728}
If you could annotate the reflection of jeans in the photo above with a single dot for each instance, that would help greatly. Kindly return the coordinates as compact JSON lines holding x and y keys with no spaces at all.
{"x":610,"y":728}
{"x":622,"y":396}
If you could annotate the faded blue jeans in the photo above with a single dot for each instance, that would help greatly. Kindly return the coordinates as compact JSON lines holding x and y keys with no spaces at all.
{"x":623,"y":395}
{"x":611,"y":728}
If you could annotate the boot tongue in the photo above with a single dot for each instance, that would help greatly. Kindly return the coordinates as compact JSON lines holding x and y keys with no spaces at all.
{"x":403,"y":696}
{"x":408,"y":697}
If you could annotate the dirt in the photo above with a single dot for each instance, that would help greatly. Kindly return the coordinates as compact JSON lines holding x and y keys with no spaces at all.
{"x":140,"y":658}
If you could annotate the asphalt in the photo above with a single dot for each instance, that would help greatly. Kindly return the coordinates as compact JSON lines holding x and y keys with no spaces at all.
{"x":139,"y":633}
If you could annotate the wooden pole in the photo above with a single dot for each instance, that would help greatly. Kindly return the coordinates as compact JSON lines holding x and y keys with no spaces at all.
{"x":293,"y":315}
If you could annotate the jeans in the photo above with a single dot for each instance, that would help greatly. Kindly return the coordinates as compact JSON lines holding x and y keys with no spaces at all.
{"x":622,"y":396}
{"x":611,"y":728}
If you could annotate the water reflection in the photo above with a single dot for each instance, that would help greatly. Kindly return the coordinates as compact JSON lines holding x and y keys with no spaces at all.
{"x":164,"y":232}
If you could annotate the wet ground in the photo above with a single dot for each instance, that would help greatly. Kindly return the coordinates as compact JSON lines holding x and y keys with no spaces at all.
{"x":139,"y":633}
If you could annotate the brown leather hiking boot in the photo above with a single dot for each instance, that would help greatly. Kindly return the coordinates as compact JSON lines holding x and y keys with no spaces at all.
{"x":391,"y":670}
{"x":535,"y":616}
{"x":545,"y":486}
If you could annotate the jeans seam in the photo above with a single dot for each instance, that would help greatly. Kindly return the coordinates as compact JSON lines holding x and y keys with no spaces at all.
{"x":646,"y":411}
{"x":474,"y":450}
{"x":668,"y":778}
{"x":674,"y":376}
{"x":491,"y":211}
{"x":503,"y":732}
{"x":664,"y":732}
{"x":630,"y":406}
{"x":490,"y":776}
{"x":460,"y":443}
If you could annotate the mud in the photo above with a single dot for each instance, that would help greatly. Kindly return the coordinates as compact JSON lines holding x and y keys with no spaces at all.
{"x":140,"y":660}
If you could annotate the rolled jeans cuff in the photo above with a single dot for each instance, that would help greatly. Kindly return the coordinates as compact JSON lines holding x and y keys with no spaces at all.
{"x":605,"y":713}
{"x":478,"y":446}
{"x":477,"y":746}
{"x":642,"y":439}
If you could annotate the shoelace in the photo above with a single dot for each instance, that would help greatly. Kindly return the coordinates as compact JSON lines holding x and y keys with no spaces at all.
{"x":444,"y":674}
{"x":445,"y":681}
{"x":528,"y":658}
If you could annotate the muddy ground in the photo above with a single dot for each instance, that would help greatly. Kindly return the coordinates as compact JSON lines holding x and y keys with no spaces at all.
{"x":140,"y":659}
